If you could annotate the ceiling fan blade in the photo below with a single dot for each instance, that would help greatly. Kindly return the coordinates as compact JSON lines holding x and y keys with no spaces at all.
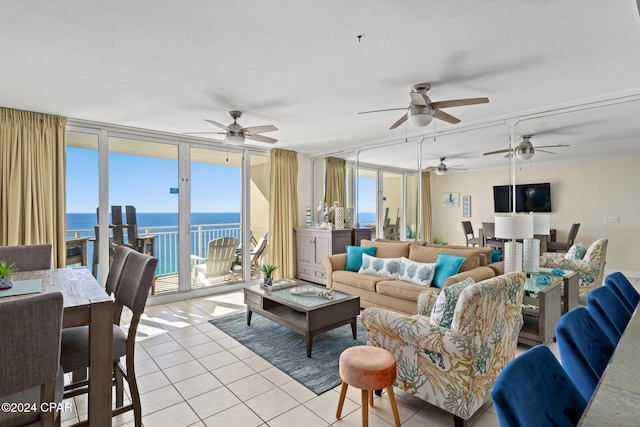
{"x":506,"y":150}
{"x":203,"y":133}
{"x":261,"y":129}
{"x":543,"y":151}
{"x":552,"y":146}
{"x":380,"y":111}
{"x":220,"y":125}
{"x":418,"y":99}
{"x":261,"y":138}
{"x":455,"y":167}
{"x":400,"y":121}
{"x":459,"y":102}
{"x":445,"y":117}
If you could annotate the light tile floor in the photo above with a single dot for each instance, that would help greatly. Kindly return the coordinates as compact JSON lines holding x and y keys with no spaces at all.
{"x":192,"y":374}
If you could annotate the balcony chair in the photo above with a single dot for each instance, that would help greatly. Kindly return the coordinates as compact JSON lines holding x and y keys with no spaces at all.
{"x":590,"y":268}
{"x":131,"y":291}
{"x":564,"y":246}
{"x":522,"y":397}
{"x":610,"y":313}
{"x":623,"y":290}
{"x":256,"y":254}
{"x":30,"y":352}
{"x":468,"y":231}
{"x":585,"y":349}
{"x":145,"y":244}
{"x":221,"y":254}
{"x":27,"y":257}
{"x":450,"y":353}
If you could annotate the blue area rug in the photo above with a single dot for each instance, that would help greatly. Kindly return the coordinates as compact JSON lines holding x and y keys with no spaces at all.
{"x":286,"y":349}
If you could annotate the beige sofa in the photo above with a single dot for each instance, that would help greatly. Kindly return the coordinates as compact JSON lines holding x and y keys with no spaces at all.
{"x":398,"y":295}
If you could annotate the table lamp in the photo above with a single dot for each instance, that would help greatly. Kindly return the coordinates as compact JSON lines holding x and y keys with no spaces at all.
{"x":541,"y":226}
{"x":513,"y":227}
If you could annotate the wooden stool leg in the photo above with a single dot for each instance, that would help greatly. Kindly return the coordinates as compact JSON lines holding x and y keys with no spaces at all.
{"x":371,"y":397}
{"x":394,"y":407}
{"x":365,"y":407}
{"x":343,"y":393}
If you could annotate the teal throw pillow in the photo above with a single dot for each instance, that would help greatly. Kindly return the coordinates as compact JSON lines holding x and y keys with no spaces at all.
{"x":446,"y":266}
{"x":354,"y":256}
{"x":442,"y":313}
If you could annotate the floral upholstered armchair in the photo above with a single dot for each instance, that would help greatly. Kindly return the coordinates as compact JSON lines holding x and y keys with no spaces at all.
{"x":590,"y":268}
{"x":451,"y":352}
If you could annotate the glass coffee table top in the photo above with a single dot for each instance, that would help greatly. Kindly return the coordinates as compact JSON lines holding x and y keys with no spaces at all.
{"x":307,"y":300}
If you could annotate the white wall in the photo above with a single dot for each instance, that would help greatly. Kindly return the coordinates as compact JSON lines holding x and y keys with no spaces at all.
{"x":580,"y":192}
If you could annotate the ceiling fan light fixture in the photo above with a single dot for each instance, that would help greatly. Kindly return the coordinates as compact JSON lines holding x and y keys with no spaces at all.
{"x":441,"y":171}
{"x":420,"y":120}
{"x":524,"y":153}
{"x":232,"y":139}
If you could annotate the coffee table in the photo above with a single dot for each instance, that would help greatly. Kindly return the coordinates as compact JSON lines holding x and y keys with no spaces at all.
{"x":307,"y":315}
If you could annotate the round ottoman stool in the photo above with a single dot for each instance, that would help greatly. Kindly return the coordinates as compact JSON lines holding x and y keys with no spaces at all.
{"x":368,"y":368}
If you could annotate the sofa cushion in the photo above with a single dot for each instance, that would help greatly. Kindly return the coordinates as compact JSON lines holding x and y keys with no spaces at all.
{"x":388,"y":249}
{"x":446,"y":266}
{"x":420,"y":273}
{"x":485,"y":252}
{"x":354,"y":256}
{"x":442,"y":313}
{"x":399,"y":289}
{"x":357,"y":280}
{"x":383,"y":267}
{"x":430,"y":254}
{"x":576,"y":251}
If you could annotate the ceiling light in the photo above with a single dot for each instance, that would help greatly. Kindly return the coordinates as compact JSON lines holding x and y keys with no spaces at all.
{"x":524,"y":152}
{"x":420,"y":120}
{"x":234,"y":139}
{"x":441,"y":171}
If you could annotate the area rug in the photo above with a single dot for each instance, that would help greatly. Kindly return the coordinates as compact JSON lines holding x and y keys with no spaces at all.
{"x":286,"y":349}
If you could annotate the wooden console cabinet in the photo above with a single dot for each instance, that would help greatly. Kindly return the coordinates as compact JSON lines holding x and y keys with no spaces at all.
{"x":312,"y":245}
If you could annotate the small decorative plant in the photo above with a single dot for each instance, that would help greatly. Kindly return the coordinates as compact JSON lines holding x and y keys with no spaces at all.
{"x":439,"y":241}
{"x":6,"y":274}
{"x":267,"y":271}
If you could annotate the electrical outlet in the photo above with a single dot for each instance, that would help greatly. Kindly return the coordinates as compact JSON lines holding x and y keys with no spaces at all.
{"x":611,"y":219}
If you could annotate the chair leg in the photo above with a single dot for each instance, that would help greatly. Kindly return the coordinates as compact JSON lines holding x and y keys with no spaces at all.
{"x":343,"y":393}
{"x":117,"y":374}
{"x":459,"y":422}
{"x":394,"y":407}
{"x":135,"y":394}
{"x":370,"y":397}
{"x":365,"y":407}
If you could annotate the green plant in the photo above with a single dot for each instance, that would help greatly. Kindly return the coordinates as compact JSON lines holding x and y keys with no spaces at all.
{"x":267,"y":270}
{"x":439,"y":241}
{"x":7,"y":270}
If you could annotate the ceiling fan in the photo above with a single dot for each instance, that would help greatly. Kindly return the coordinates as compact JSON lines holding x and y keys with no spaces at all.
{"x":236,"y":134}
{"x":525,"y":150}
{"x":442,"y":169}
{"x":421,"y":110}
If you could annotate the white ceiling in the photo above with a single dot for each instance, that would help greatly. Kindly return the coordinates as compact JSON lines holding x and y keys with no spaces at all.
{"x":569,"y":70}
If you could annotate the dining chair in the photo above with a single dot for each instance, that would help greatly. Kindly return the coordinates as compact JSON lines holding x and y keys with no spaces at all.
{"x":610,"y":313}
{"x":521,"y":394}
{"x":120,"y":255}
{"x":27,"y":257}
{"x":585,"y":349}
{"x":489,"y":233}
{"x":623,"y":289}
{"x":468,"y":231}
{"x":564,"y":246}
{"x":131,"y":292}
{"x":30,"y":352}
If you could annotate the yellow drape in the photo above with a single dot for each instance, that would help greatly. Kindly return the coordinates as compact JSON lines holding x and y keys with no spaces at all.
{"x":426,"y":206}
{"x":32,"y":185}
{"x":283,"y":208}
{"x":335,"y":184}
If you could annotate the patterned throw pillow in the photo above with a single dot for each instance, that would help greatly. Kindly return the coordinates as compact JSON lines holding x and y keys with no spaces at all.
{"x":442,"y":313}
{"x":577,"y":251}
{"x":383,"y":267}
{"x":419,"y":273}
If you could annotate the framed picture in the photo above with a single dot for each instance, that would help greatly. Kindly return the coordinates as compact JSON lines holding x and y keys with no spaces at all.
{"x":466,"y":206}
{"x":450,"y":200}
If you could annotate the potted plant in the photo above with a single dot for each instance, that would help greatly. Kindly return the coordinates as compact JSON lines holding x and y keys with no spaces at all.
{"x":6,"y":274}
{"x":267,"y":272}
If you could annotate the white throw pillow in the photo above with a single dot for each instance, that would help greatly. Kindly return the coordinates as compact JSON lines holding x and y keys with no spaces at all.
{"x":420,"y":273}
{"x":383,"y":267}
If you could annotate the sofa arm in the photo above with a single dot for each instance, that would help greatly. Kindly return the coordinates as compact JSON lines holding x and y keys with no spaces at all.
{"x":580,"y":265}
{"x":334,"y":263}
{"x":417,"y":331}
{"x":478,"y":274}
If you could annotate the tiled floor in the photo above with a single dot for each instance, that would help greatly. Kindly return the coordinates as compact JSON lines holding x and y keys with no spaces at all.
{"x":192,"y":374}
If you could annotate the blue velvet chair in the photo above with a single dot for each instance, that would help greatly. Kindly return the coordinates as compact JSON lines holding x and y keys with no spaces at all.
{"x":585,"y":349}
{"x":533,"y":390}
{"x":623,"y":290}
{"x":609,"y":311}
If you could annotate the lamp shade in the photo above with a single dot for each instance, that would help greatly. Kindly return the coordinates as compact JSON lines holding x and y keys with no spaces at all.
{"x":514,"y":226}
{"x":541,"y":224}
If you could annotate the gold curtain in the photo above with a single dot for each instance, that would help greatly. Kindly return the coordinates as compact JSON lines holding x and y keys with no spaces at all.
{"x":426,"y":207}
{"x":283,"y":208}
{"x":335,"y":184}
{"x":32,"y":188}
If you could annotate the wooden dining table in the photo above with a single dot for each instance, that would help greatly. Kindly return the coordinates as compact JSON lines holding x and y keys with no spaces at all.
{"x":85,"y":303}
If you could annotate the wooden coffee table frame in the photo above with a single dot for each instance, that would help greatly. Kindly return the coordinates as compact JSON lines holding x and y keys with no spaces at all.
{"x":307,"y":321}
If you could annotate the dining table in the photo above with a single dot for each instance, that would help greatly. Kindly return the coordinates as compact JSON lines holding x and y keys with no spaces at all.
{"x":616,"y":399}
{"x":85,"y":302}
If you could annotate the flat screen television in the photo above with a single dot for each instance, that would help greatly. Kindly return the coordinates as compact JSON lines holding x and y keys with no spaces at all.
{"x":529,"y":198}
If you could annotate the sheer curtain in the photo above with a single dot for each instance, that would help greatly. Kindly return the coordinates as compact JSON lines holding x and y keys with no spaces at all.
{"x":283,"y":216}
{"x":426,"y":207}
{"x":32,"y":184}
{"x":335,"y":187}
